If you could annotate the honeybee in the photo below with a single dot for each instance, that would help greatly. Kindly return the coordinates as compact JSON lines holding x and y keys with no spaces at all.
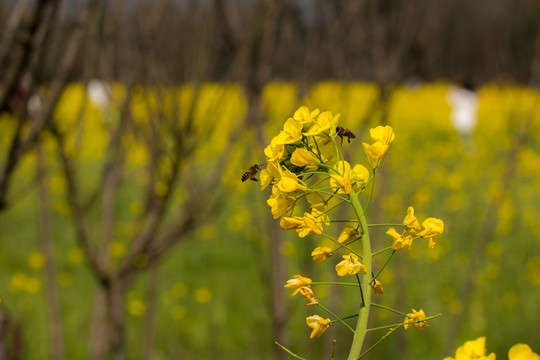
{"x":341,"y":132}
{"x":252,"y":171}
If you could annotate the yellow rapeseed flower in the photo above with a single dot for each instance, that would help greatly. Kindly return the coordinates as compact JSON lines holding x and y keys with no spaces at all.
{"x":410,"y":223}
{"x":279,"y":202}
{"x":318,"y":324}
{"x":432,"y":228}
{"x":374,"y":153}
{"x":522,"y":352}
{"x":304,"y":157}
{"x":292,"y":130}
{"x":473,"y":350}
{"x":359,"y":177}
{"x":302,"y":226}
{"x":297,"y":282}
{"x":202,"y":295}
{"x":289,"y":182}
{"x":317,"y":201}
{"x":136,"y":307}
{"x":325,"y":149}
{"x":399,"y":241}
{"x":382,"y":134}
{"x":324,"y":125}
{"x":377,"y":288}
{"x":271,"y":172}
{"x":289,"y":223}
{"x":350,"y":265}
{"x":36,"y":260}
{"x":348,"y":234}
{"x":276,"y":150}
{"x":117,"y":249}
{"x":308,"y":294}
{"x":414,"y":316}
{"x":342,"y":181}
{"x":321,"y":253}
{"x":304,"y":116}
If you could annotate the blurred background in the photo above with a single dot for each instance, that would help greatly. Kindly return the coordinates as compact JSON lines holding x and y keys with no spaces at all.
{"x":125,"y":126}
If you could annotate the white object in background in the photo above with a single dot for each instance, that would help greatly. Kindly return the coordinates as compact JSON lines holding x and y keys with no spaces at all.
{"x":464,"y":103}
{"x":99,"y":94}
{"x":34,"y":106}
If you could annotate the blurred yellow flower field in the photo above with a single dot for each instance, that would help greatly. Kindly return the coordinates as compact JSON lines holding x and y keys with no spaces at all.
{"x":483,"y":275}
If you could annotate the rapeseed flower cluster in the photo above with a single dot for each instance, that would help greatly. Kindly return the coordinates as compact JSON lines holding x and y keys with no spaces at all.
{"x":305,"y":165}
{"x":476,"y":350}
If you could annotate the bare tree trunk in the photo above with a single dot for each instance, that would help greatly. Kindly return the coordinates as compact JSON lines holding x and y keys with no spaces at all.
{"x":11,"y":337}
{"x":20,"y":145}
{"x":99,"y":331}
{"x":150,"y":315}
{"x":116,"y":311}
{"x":13,"y":24}
{"x":56,"y":333}
{"x":15,"y":75}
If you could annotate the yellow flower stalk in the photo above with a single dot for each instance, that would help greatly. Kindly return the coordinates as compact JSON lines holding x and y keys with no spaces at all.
{"x":399,"y":241}
{"x":473,"y":349}
{"x":410,"y":223}
{"x":383,"y":134}
{"x":350,"y":266}
{"x":308,"y":165}
{"x":297,"y":282}
{"x":318,"y":324}
{"x":522,"y":352}
{"x":432,"y":228}
{"x":321,"y":253}
{"x":415,"y":316}
{"x":375,"y":153}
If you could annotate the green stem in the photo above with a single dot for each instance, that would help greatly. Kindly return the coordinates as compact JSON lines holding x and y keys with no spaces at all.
{"x":343,"y":245}
{"x":349,"y":221}
{"x":333,"y":207}
{"x":400,"y":324}
{"x":390,"y":332}
{"x":363,"y":313}
{"x":328,"y":193}
{"x":381,"y":251}
{"x":330,"y":168}
{"x":373,"y":225}
{"x":336,"y":317}
{"x":389,"y":309}
{"x":289,"y":351}
{"x":386,"y":263}
{"x":372,"y":188}
{"x":332,"y":283}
